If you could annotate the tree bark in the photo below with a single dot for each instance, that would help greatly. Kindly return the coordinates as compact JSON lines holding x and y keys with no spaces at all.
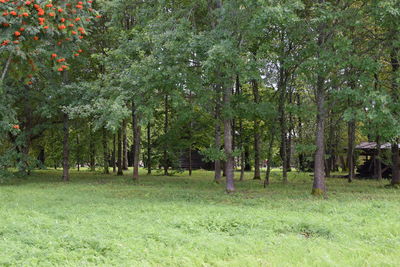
{"x":217,"y":163}
{"x":378,"y":160}
{"x":5,"y":69}
{"x":302,"y":165}
{"x":289,"y":135}
{"x":269,"y":157}
{"x":148,"y":148}
{"x":350,"y":149}
{"x":136,"y":143}
{"x":78,"y":152}
{"x":257,"y":137}
{"x":166,"y":123}
{"x":282,"y":120}
{"x":242,"y":161}
{"x":105,"y":152}
{"x":113,"y":157}
{"x":124,"y":146}
{"x":319,"y":166}
{"x":229,"y":163}
{"x":247,"y":165}
{"x":395,"y":87}
{"x":65,"y":176}
{"x":395,"y":164}
{"x":119,"y":153}
{"x":92,"y":151}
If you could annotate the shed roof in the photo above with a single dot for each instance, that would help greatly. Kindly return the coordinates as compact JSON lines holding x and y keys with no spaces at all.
{"x":372,"y":146}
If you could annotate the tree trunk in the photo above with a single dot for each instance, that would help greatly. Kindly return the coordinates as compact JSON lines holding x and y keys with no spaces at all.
{"x":350,"y":149}
{"x":257,"y":172}
{"x":289,"y":135}
{"x":148,"y":148}
{"x":329,"y":145}
{"x":105,"y":152}
{"x":230,"y":187}
{"x":247,"y":165}
{"x":166,"y":122}
{"x":282,"y":120}
{"x":395,"y":93}
{"x":78,"y":153}
{"x":269,"y":157}
{"x":217,"y":163}
{"x":124,"y":146}
{"x":319,"y":166}
{"x":378,"y":160}
{"x":92,"y":151}
{"x":190,"y":160}
{"x":395,"y":164}
{"x":242,"y":160}
{"x":113,"y":158}
{"x":119,"y":153}
{"x":65,"y":176}
{"x":302,"y":161}
{"x":136,"y":143}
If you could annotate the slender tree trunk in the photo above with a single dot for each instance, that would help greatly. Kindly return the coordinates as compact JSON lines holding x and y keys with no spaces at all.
{"x":247,"y":156}
{"x":217,"y":163}
{"x":289,"y":135}
{"x":229,"y":164}
{"x":257,"y":137}
{"x":119,"y":153}
{"x":242,"y":165}
{"x":136,"y":143}
{"x":282,"y":119}
{"x":190,"y":160}
{"x":190,"y":140}
{"x":92,"y":150}
{"x":166,"y":122}
{"x":5,"y":69}
{"x":269,"y":157}
{"x":124,"y":146}
{"x":378,"y":160}
{"x":148,"y":148}
{"x":78,"y":153}
{"x":319,"y":166}
{"x":302,"y":166}
{"x":328,"y":166}
{"x":242,"y":161}
{"x":395,"y":164}
{"x":65,"y":176}
{"x":233,"y":136}
{"x":395,"y":87}
{"x":105,"y":151}
{"x":113,"y":158}
{"x":319,"y":187}
{"x":350,"y":149}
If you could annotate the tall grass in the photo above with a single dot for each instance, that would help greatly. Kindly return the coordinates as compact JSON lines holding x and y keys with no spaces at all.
{"x":105,"y":220}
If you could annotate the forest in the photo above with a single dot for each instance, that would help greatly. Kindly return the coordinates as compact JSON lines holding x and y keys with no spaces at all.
{"x":203,"y":102}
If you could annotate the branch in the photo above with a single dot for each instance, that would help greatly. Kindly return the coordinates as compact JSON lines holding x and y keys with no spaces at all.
{"x":3,"y":75}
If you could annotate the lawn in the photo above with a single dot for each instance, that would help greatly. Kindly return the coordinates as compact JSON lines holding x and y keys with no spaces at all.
{"x":100,"y":220}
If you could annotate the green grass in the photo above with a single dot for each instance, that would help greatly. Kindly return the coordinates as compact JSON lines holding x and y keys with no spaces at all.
{"x":99,"y":220}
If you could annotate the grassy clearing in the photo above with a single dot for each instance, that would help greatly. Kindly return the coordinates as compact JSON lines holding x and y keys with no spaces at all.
{"x":189,"y":221}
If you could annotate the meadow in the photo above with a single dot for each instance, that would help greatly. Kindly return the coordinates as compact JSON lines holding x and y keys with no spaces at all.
{"x":105,"y":220}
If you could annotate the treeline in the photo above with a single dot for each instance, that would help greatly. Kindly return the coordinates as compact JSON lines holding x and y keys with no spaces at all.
{"x":293,"y":83}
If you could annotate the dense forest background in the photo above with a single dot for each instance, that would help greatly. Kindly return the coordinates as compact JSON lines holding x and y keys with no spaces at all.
{"x":112,"y":84}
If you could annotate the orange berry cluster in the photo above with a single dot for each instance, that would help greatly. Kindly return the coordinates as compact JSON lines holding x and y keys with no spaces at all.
{"x":27,"y":22}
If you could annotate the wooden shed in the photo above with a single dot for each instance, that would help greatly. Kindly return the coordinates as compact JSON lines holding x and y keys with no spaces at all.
{"x":368,"y":169}
{"x":198,"y":161}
